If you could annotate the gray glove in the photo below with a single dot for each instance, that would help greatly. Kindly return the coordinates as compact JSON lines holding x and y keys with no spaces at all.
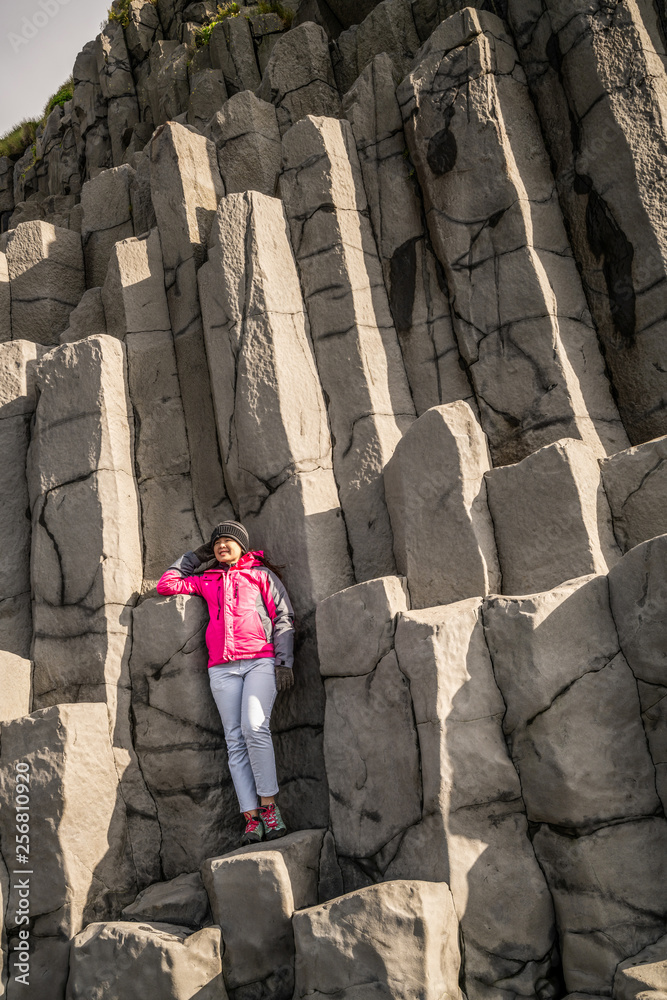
{"x":284,"y":678}
{"x":204,"y":552}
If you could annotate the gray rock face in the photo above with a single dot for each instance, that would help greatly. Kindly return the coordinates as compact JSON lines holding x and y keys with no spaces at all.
{"x":168,"y":83}
{"x":636,"y":586}
{"x":247,"y":138}
{"x":436,"y":496}
{"x":299,"y":78}
{"x":133,"y":292}
{"x":107,"y":218}
{"x":207,"y":94}
{"x":401,"y":937}
{"x":18,"y":361}
{"x":143,"y":960}
{"x":645,"y":973}
{"x":143,"y":30}
{"x":279,"y":475}
{"x":178,"y":736}
{"x":181,"y":901}
{"x":45,"y":268}
{"x":551,"y":518}
{"x":186,"y":189}
{"x":88,"y":319}
{"x":84,"y":860}
{"x":5,"y":300}
{"x":412,"y":274}
{"x":350,"y":323}
{"x":474,"y":832}
{"x":15,"y":686}
{"x":577,"y":60}
{"x":519,"y":311}
{"x":635,"y":482}
{"x":389,"y":29}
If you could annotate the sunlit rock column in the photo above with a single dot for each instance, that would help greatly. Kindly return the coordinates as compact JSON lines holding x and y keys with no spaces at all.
{"x":356,"y":348}
{"x":519,"y":311}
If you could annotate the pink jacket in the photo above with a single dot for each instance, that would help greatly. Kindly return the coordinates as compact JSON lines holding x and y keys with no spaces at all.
{"x":250,"y":614}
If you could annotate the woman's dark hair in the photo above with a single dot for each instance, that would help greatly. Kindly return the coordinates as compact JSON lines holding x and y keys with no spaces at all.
{"x":269,"y":565}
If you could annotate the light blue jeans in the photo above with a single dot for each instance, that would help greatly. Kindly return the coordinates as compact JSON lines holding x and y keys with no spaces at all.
{"x":244,"y":691}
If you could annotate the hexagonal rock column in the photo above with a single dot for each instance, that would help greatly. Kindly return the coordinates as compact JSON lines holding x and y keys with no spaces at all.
{"x":18,"y":360}
{"x":247,"y":137}
{"x":436,"y":496}
{"x":575,"y":732}
{"x":473,"y":832}
{"x":518,"y":307}
{"x":45,"y":268}
{"x":117,"y":84}
{"x":635,"y":482}
{"x":15,"y":686}
{"x":186,"y":189}
{"x":136,"y":310}
{"x":178,"y":735}
{"x":5,"y":300}
{"x":298,"y":78}
{"x":267,"y":883}
{"x":86,"y":563}
{"x":272,"y":426}
{"x":551,"y":518}
{"x":412,"y":273}
{"x":604,"y":125}
{"x":401,"y":937}
{"x":233,"y":52}
{"x":107,"y":217}
{"x":356,"y":347}
{"x":80,"y":860}
{"x":637,"y":590}
{"x":125,"y":961}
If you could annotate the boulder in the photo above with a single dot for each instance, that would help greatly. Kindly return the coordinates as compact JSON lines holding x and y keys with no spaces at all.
{"x":181,"y":901}
{"x":18,"y":360}
{"x":80,"y":861}
{"x":644,"y":974}
{"x":247,"y":138}
{"x":15,"y":686}
{"x":355,"y":628}
{"x":436,"y":497}
{"x":473,"y":833}
{"x":350,"y":323}
{"x":518,"y":306}
{"x":551,"y":518}
{"x":88,"y":319}
{"x":302,"y":853}
{"x":278,"y":471}
{"x":46,"y":276}
{"x":257,"y":930}
{"x":637,"y":589}
{"x":186,"y":188}
{"x":299,"y":78}
{"x":576,"y":62}
{"x":107,"y":218}
{"x":125,"y":961}
{"x":178,"y":734}
{"x":635,"y":481}
{"x":398,"y":939}
{"x":610,"y":895}
{"x":412,"y":274}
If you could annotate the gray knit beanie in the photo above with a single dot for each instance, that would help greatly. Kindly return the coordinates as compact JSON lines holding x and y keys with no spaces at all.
{"x":231,"y":529}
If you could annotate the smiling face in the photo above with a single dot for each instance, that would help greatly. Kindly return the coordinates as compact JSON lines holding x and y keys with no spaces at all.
{"x":227,"y":551}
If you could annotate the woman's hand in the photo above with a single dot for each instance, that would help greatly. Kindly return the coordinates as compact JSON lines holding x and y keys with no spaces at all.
{"x":284,"y":678}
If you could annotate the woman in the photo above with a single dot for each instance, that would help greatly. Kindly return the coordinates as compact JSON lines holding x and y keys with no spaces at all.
{"x":250,"y":638}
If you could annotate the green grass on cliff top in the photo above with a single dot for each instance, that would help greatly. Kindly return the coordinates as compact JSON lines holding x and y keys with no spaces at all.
{"x":15,"y":142}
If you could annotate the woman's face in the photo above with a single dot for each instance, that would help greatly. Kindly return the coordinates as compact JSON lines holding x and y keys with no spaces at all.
{"x":227,"y":551}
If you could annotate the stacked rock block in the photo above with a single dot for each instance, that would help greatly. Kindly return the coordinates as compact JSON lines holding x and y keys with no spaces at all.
{"x":324,"y":280}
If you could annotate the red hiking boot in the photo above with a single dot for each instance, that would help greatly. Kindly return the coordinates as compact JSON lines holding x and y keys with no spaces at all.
{"x":254,"y":830}
{"x":273,"y":822}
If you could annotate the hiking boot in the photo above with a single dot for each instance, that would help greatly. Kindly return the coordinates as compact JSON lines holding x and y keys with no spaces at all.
{"x":273,"y":822}
{"x":254,"y":830}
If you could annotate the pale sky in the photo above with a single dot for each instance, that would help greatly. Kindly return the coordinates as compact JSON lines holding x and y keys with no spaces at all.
{"x":39,"y":41}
